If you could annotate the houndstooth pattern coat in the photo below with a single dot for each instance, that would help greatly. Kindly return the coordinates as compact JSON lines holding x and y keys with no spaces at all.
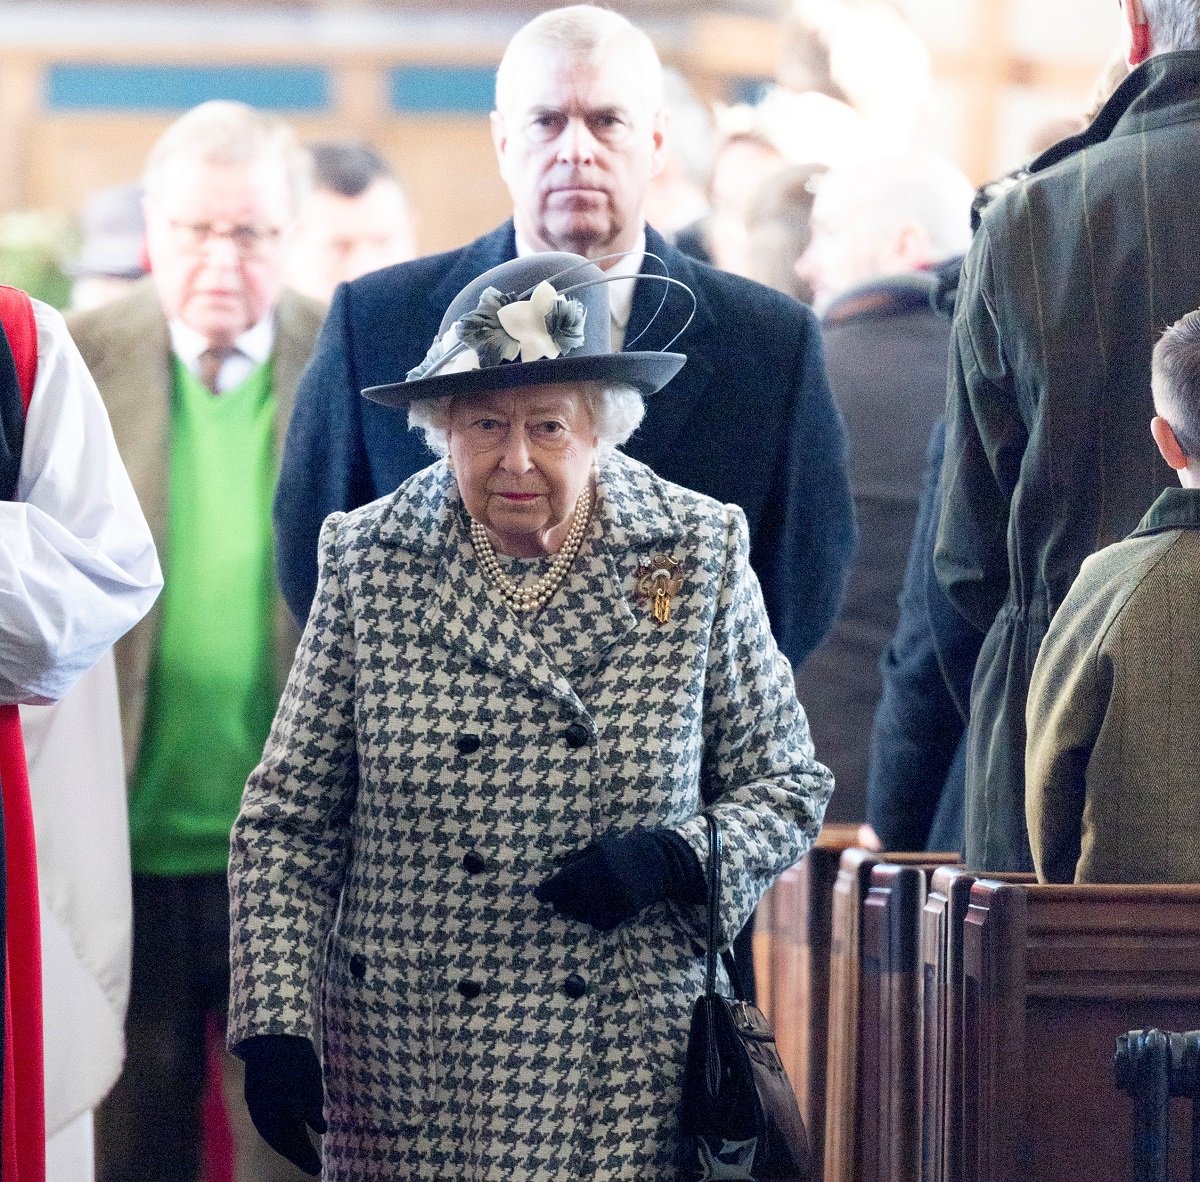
{"x":432,"y":759}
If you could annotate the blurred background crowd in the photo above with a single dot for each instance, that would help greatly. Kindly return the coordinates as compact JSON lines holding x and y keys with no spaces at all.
{"x":763,"y":94}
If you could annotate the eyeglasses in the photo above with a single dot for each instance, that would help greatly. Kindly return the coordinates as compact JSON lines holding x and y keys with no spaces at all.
{"x":248,"y":241}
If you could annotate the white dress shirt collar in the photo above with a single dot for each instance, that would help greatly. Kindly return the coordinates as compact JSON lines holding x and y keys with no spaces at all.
{"x":252,"y":349}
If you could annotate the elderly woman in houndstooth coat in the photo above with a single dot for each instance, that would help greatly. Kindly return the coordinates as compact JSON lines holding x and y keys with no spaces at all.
{"x":469,"y":867}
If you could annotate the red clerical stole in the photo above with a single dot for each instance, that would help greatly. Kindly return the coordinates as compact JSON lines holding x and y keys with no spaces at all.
{"x":23,"y":1131}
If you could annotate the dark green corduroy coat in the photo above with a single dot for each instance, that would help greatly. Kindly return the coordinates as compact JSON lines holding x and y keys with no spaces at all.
{"x":1071,"y":278}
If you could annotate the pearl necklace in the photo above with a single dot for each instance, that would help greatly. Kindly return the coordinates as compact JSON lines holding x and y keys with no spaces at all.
{"x":536,"y":595}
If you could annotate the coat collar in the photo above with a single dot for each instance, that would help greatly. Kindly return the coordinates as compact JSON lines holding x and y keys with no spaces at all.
{"x":1174,"y":508}
{"x":1164,"y":89}
{"x":633,"y":521}
{"x":893,"y":295}
{"x":297,"y":322}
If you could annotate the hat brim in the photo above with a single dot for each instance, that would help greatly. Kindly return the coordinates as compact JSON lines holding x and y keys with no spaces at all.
{"x":645,"y":372}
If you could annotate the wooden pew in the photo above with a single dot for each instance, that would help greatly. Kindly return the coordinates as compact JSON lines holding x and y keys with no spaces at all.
{"x":844,"y":1138}
{"x":791,"y":956}
{"x":942,"y":919}
{"x":1052,"y":975}
{"x":889,"y":1090}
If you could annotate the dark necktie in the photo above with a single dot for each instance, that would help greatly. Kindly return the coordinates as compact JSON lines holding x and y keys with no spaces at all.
{"x":210,"y":363}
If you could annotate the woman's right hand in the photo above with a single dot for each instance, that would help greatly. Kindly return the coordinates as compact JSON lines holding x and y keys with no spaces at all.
{"x":611,"y":880}
{"x":285,"y":1095}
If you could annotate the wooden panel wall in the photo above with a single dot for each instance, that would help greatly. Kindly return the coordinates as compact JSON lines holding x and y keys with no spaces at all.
{"x":52,"y":159}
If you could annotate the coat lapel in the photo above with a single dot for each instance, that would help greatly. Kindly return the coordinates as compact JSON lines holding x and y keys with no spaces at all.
{"x":670,"y":409}
{"x":297,"y":322}
{"x":464,"y":615}
{"x":597,"y":606}
{"x":129,"y":354}
{"x":593,"y":610}
{"x":477,"y":257}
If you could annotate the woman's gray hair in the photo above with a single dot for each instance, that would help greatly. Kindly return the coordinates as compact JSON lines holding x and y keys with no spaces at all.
{"x":616,"y":412}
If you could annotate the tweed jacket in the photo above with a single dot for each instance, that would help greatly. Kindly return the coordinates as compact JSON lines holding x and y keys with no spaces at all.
{"x":126,"y":345}
{"x":433,"y":759}
{"x":749,"y":419}
{"x":1112,"y":793}
{"x":1071,"y":277}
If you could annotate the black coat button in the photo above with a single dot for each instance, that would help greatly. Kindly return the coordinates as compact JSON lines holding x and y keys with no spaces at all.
{"x":574,"y":986}
{"x":473,"y":862}
{"x":576,"y":735}
{"x":358,"y":966}
{"x":468,"y":744}
{"x":470,"y":989}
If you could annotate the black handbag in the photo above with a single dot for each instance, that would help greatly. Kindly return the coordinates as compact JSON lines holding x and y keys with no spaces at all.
{"x":738,"y":1116}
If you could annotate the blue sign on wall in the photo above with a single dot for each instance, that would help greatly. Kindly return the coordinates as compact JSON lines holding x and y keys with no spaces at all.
{"x":87,"y":87}
{"x":465,"y":90}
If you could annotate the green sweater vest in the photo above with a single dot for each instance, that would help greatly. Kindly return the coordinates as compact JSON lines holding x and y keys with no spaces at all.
{"x":211,"y":695}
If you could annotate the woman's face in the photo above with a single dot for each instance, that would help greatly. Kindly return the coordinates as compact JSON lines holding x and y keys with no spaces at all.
{"x":521,"y":458}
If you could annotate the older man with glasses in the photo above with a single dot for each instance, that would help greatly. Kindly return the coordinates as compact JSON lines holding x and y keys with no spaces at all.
{"x":198,"y":367}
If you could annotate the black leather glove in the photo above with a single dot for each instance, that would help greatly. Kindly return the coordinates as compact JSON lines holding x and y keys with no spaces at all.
{"x":285,"y":1095}
{"x":612,"y":879}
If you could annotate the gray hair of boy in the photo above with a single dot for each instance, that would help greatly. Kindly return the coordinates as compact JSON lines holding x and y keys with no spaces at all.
{"x":582,"y":30}
{"x":229,"y":133}
{"x":1175,"y":380}
{"x":347,"y":167}
{"x":1174,"y":24}
{"x":616,"y":413}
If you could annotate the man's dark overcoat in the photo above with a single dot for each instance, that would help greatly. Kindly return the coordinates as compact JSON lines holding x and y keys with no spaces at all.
{"x":749,"y":420}
{"x":1073,"y":275}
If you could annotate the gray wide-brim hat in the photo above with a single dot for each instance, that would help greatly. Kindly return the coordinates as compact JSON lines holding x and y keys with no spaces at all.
{"x":534,"y":321}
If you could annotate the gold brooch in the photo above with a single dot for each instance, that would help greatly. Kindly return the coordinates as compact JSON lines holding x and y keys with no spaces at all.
{"x":657,"y":581}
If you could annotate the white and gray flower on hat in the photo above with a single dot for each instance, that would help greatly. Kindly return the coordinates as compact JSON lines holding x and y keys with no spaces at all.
{"x":545,"y":325}
{"x":512,"y":327}
{"x":483,"y":332}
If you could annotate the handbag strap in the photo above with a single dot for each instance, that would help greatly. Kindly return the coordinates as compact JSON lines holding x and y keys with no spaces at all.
{"x":714,"y":901}
{"x":714,"y":897}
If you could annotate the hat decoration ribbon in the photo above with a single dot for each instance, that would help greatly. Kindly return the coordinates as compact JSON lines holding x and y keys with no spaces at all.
{"x":502,"y":328}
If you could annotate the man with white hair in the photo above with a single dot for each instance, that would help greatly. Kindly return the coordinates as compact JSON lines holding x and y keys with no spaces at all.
{"x":878,"y":231}
{"x":198,"y":367}
{"x":579,"y":131}
{"x":891,"y":217}
{"x":1072,"y":274}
